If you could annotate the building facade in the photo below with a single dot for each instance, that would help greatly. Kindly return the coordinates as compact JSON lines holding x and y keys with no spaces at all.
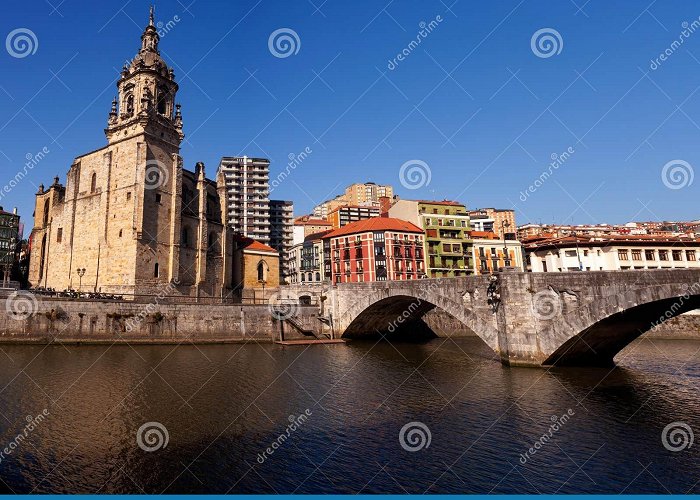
{"x":503,"y":221}
{"x":377,"y":249}
{"x":367,"y":193}
{"x":130,"y":217}
{"x":447,"y":227}
{"x":348,"y":214}
{"x":247,"y":184}
{"x":282,"y":231}
{"x":10,"y":240}
{"x":492,"y":253}
{"x":612,"y":253}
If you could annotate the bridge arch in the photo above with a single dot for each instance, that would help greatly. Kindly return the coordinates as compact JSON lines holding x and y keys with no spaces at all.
{"x":595,"y":333}
{"x":397,"y":311}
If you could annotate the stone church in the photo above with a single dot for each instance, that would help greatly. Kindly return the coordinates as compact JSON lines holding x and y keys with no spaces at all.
{"x":130,"y":219}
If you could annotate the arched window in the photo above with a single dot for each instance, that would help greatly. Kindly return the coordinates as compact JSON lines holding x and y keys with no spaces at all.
{"x":93,"y":183}
{"x":162,"y":105}
{"x":130,"y":104}
{"x":156,"y":271}
{"x":213,"y":242}
{"x":311,"y":277}
{"x":46,"y":213}
{"x":318,"y":276}
{"x":262,"y":271}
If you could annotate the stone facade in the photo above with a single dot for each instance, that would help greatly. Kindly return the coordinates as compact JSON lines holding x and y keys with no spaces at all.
{"x":130,"y":219}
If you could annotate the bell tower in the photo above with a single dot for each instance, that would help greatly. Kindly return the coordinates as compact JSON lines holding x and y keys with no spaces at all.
{"x":146,"y":99}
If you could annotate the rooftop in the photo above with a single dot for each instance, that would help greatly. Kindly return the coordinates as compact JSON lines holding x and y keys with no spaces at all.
{"x":375,"y":224}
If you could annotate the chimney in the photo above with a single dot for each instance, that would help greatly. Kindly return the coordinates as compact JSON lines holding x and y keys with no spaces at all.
{"x":14,"y":211}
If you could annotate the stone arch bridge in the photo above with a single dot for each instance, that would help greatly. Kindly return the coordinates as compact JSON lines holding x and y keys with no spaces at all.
{"x":530,"y":319}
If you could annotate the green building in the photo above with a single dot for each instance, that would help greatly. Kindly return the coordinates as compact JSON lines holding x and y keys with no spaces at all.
{"x":448,"y":245}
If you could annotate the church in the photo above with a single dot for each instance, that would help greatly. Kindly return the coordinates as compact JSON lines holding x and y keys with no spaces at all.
{"x":130,"y":219}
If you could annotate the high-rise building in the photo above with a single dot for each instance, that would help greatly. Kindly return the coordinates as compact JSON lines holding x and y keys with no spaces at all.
{"x":247,"y":182}
{"x":282,"y":231}
{"x":367,"y":193}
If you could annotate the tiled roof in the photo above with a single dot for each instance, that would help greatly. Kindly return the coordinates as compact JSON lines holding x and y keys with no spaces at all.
{"x":251,"y":244}
{"x":375,"y":224}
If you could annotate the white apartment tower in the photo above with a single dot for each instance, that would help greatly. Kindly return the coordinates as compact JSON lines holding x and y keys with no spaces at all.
{"x":247,"y":202}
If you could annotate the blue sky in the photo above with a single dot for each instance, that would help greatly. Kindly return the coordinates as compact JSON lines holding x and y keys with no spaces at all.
{"x":473,"y":100}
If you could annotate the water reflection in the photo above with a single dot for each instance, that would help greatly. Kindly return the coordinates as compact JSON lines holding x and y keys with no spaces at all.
{"x":224,"y":405}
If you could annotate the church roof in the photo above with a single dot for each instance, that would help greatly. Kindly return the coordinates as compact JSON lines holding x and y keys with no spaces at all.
{"x":254,"y":245}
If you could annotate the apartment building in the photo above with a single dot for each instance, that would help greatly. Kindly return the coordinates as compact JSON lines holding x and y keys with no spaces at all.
{"x":611,"y":253}
{"x":501,"y":221}
{"x":492,"y":253}
{"x":344,"y":215}
{"x":446,"y":224}
{"x":377,"y":249}
{"x":367,"y":193}
{"x":247,"y":184}
{"x":282,"y":231}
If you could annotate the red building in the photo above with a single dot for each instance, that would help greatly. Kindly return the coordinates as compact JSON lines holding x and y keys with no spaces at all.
{"x":377,"y":249}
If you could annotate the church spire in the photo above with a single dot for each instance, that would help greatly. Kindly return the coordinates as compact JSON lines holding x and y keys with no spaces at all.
{"x":150,"y":38}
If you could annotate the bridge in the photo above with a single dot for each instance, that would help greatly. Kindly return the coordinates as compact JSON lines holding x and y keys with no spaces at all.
{"x":528,"y":319}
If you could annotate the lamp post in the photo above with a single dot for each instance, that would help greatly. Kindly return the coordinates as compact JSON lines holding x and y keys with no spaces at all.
{"x":81,"y":273}
{"x":506,"y":259}
{"x":263,"y":283}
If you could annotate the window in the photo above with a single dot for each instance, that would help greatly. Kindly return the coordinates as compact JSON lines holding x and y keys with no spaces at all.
{"x":130,"y":104}
{"x":570,"y":253}
{"x":120,"y":233}
{"x":690,"y":255}
{"x":93,"y":183}
{"x":663,"y":254}
{"x":156,"y":271}
{"x":158,"y":198}
{"x":636,"y":255}
{"x":622,"y":255}
{"x":262,"y":271}
{"x":128,"y":196}
{"x":59,"y":235}
{"x":677,"y":255}
{"x":649,"y":255}
{"x":185,"y":237}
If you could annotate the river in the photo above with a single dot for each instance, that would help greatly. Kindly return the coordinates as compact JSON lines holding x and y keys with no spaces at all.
{"x":335,"y":414}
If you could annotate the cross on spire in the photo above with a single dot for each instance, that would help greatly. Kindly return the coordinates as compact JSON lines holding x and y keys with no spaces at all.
{"x":151,"y":16}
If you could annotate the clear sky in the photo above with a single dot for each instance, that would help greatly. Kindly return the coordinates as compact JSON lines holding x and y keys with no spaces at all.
{"x":480,"y":102}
